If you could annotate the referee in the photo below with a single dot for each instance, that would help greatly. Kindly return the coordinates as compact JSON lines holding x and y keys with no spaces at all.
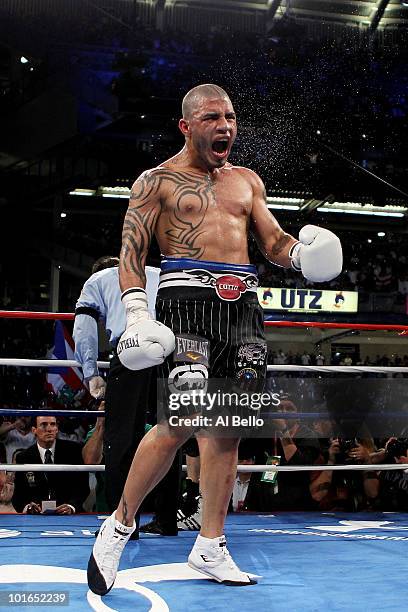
{"x":127,"y":393}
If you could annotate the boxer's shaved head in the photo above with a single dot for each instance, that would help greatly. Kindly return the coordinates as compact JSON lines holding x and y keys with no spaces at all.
{"x":201,"y":92}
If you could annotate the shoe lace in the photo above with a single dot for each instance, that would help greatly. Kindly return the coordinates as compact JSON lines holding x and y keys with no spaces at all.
{"x":223,"y":550}
{"x":113,"y":553}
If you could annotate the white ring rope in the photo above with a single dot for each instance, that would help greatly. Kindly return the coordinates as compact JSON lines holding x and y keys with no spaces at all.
{"x":69,"y":363}
{"x":359,"y":467}
{"x":47,"y":363}
{"x":50,"y":467}
{"x":339,"y":369}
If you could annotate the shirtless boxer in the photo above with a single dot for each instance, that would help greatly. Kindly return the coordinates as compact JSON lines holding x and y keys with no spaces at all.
{"x":200,"y":208}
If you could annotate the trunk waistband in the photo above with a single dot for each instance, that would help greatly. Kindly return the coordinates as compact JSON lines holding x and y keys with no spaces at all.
{"x":228,"y":281}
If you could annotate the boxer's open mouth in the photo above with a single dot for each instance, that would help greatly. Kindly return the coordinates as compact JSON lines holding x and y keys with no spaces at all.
{"x":220,"y":146}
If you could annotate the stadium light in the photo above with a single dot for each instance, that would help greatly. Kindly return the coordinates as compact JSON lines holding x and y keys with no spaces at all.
{"x":358,"y":208}
{"x":114,"y":192}
{"x":360,"y":212}
{"x":82,"y":192}
{"x":283,"y":203}
{"x":283,"y":207}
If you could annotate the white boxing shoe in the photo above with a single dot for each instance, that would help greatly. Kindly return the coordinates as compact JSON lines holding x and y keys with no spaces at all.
{"x":104,"y":561}
{"x":211,"y":557}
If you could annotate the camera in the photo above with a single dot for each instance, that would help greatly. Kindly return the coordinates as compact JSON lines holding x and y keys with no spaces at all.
{"x":396,"y":448}
{"x":345,"y":445}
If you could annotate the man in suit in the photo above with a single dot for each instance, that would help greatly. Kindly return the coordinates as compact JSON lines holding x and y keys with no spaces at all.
{"x":67,"y":491}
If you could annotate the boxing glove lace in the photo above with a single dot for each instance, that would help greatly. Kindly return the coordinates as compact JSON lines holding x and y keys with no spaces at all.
{"x":145,"y":342}
{"x":318,"y":254}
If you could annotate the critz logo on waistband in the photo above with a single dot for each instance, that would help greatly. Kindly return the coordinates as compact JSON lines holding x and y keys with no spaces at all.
{"x":228,"y":286}
{"x":131,"y":342}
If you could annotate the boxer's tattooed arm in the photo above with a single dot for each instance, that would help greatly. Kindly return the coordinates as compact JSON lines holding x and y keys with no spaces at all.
{"x":138,"y":228}
{"x":272,"y":240}
{"x":281,"y":244}
{"x":182,"y":232}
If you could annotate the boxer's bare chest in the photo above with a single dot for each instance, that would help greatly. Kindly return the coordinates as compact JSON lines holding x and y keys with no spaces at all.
{"x":202,"y":215}
{"x":191,"y":195}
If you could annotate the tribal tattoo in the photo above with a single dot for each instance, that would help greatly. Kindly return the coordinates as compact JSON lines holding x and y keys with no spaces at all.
{"x":281,"y":244}
{"x":282,"y":239}
{"x":126,"y":519}
{"x":144,"y":211}
{"x":138,"y":227}
{"x":183,"y":234}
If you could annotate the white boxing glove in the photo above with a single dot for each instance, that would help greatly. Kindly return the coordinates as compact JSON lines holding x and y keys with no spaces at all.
{"x":97,"y":387}
{"x":318,"y":254}
{"x":145,"y":342}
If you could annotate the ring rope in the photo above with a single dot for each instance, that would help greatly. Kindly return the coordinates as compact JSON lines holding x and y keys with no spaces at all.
{"x":327,"y":325}
{"x":70,"y":363}
{"x":339,"y":369}
{"x":53,"y":467}
{"x":54,"y":412}
{"x":47,"y":363}
{"x":26,"y":314}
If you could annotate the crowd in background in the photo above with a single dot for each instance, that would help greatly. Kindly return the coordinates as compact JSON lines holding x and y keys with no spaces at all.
{"x":278,"y":356}
{"x":26,"y":388}
{"x":283,"y":71}
{"x":285,"y":86}
{"x":372,"y":264}
{"x":319,"y":443}
{"x":294,"y":443}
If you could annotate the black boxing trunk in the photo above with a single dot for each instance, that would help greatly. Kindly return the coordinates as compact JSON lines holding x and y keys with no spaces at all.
{"x":214,"y":312}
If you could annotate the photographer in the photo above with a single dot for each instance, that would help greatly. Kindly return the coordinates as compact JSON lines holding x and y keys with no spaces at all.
{"x":329,"y":489}
{"x":347,"y":491}
{"x":393,"y":484}
{"x":293,"y":444}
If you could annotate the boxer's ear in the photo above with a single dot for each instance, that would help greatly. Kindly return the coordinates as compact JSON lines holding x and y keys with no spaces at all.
{"x":184,"y":126}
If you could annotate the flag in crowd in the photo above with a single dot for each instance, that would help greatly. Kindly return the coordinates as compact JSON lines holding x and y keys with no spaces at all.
{"x":58,"y":378}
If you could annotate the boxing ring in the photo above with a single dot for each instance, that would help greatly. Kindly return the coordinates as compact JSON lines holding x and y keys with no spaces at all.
{"x":304,"y":562}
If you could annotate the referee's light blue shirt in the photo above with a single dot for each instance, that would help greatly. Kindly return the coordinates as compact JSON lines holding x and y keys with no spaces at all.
{"x":100,"y":296}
